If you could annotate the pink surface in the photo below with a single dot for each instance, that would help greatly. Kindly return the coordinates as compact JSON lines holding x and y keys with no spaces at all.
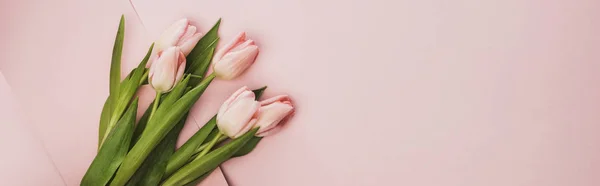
{"x":427,"y":93}
{"x":24,"y":161}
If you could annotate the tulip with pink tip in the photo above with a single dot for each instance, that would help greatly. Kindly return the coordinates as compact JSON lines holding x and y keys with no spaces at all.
{"x":180,"y":34}
{"x":167,"y":70}
{"x":273,"y":113}
{"x":235,"y":57}
{"x":238,"y":114}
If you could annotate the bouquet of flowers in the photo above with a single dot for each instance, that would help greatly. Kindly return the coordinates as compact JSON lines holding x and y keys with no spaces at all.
{"x":144,"y":153}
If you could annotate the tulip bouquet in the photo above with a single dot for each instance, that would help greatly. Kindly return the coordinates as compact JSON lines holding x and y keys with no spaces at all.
{"x":144,"y":152}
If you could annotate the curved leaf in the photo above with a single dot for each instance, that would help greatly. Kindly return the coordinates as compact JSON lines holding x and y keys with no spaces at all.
{"x":210,"y":161}
{"x":183,"y":154}
{"x":248,"y":147}
{"x":157,"y":129}
{"x":112,"y":153}
{"x":153,"y":168}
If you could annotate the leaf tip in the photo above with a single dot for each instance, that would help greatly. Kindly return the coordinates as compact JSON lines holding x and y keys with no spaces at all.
{"x":135,"y":101}
{"x":217,"y":24}
{"x":187,"y":78}
{"x":122,"y":21}
{"x":258,"y":92}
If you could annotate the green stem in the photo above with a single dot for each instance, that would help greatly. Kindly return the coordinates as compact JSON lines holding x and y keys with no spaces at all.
{"x":195,"y":76}
{"x":203,"y":146}
{"x":210,"y":146}
{"x":144,"y":77}
{"x":155,"y":105}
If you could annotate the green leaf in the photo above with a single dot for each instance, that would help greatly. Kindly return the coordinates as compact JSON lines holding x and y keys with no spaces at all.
{"x":114,"y":80}
{"x":205,"y":59}
{"x":115,"y":64}
{"x":156,"y":130}
{"x":104,"y":119}
{"x":127,"y":90}
{"x":141,"y":125}
{"x":248,"y":147}
{"x":168,"y":100}
{"x":259,"y":92}
{"x":199,"y":58}
{"x":183,"y":154}
{"x":210,"y":39}
{"x":106,"y":114}
{"x":199,"y":179}
{"x":153,"y":168}
{"x":142,"y":64}
{"x":212,"y":135}
{"x":210,"y":161}
{"x":204,"y":145}
{"x":144,"y":81}
{"x":176,"y":93}
{"x":113,"y":151}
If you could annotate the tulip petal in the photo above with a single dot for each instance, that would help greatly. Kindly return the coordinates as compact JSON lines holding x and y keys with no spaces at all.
{"x":188,"y":45}
{"x":235,"y":96}
{"x":235,"y":63}
{"x":269,"y":132}
{"x":272,"y":115}
{"x":171,"y":35}
{"x":230,"y":100}
{"x":237,"y":115}
{"x":246,"y":128}
{"x":188,"y":32}
{"x":244,"y":96}
{"x":164,"y":69}
{"x":241,"y":37}
{"x":151,"y":72}
{"x":280,"y":98}
{"x":180,"y":68}
{"x":242,"y":45}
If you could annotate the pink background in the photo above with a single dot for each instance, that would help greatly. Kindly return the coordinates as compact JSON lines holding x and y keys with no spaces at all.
{"x":430,"y":92}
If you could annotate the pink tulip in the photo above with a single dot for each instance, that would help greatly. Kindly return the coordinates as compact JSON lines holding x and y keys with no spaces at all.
{"x":273,"y":113}
{"x":238,"y":114}
{"x":233,"y":59}
{"x":167,"y":70}
{"x":180,"y":34}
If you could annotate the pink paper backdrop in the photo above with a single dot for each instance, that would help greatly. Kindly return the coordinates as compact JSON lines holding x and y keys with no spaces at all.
{"x":431,"y":92}
{"x":24,"y":160}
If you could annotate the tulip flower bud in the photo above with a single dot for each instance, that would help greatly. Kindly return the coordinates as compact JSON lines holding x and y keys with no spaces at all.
{"x":233,"y":59}
{"x":238,"y":114}
{"x":180,"y":34}
{"x":273,"y":113}
{"x":167,"y":70}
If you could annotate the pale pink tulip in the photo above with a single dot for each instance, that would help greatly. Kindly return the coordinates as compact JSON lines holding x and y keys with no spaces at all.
{"x":273,"y":113}
{"x":235,"y":57}
{"x":238,"y":114}
{"x":180,"y":34}
{"x":167,"y":70}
